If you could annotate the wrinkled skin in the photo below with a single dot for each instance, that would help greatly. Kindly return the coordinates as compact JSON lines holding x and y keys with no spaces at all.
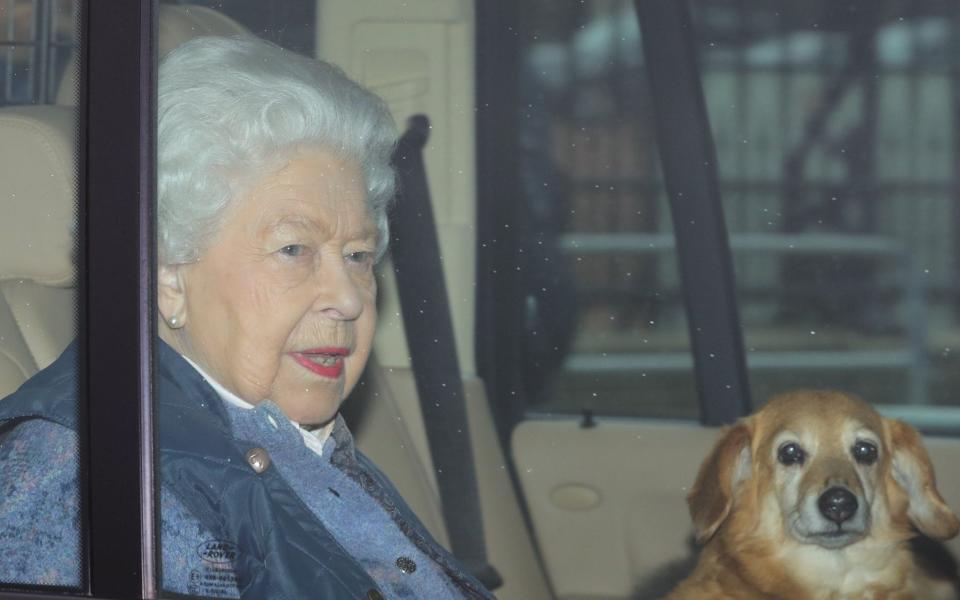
{"x":289,"y":270}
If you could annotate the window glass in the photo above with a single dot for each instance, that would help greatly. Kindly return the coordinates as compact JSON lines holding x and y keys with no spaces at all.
{"x":605,"y":328}
{"x":835,"y":129}
{"x":39,"y":493}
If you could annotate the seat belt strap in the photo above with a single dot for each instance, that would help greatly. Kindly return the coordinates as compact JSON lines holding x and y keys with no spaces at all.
{"x":415,"y":250}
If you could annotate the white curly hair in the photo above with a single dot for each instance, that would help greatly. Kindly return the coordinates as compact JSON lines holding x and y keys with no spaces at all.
{"x":231,"y":110}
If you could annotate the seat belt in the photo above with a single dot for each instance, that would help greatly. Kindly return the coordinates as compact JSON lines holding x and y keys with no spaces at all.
{"x":415,"y":250}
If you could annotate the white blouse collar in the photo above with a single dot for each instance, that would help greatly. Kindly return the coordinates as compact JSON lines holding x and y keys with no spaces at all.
{"x":313,"y":439}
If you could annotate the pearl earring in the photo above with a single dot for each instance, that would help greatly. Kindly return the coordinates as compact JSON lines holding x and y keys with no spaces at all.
{"x":173,"y":322}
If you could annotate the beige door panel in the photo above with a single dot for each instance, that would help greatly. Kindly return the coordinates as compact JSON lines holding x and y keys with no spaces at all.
{"x":608,"y":502}
{"x":945,"y":454}
{"x":639,"y":473}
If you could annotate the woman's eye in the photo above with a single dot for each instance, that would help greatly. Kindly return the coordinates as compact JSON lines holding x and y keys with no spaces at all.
{"x":361,"y":257}
{"x":293,"y":250}
{"x":791,"y":454}
{"x":864,"y":453}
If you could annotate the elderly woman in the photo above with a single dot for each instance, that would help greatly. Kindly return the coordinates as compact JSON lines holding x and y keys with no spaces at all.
{"x":274,"y":181}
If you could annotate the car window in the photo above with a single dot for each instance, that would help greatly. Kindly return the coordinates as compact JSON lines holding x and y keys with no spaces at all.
{"x":834,"y":128}
{"x":834,"y":142}
{"x":835,"y":137}
{"x":604,"y":329}
{"x":40,"y":504}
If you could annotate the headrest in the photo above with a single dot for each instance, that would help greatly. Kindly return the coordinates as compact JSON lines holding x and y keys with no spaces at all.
{"x":180,"y":24}
{"x":177,"y":25}
{"x":38,"y":207}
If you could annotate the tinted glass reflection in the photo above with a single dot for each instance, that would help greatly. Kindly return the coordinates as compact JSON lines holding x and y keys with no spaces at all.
{"x":834,"y":128}
{"x":605,"y":326}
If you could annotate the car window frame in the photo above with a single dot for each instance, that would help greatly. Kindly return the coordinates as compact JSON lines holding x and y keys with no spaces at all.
{"x":117,"y":110}
{"x":705,"y":261}
{"x":115,"y":254}
{"x":689,"y":164}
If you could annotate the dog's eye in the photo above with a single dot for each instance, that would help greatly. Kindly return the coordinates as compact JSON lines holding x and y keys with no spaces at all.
{"x":791,"y":454}
{"x":864,"y":453}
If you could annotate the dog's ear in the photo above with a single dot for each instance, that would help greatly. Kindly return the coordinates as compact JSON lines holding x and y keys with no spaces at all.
{"x":911,"y":469}
{"x":721,"y":474}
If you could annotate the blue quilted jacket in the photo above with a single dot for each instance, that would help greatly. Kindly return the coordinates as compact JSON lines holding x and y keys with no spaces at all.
{"x":276,"y":545}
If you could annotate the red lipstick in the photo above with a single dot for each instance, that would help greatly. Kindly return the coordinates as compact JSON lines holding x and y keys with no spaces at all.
{"x":326,"y":362}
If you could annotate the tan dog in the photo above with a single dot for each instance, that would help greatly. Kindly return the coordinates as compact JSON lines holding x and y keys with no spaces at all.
{"x":815,"y":497}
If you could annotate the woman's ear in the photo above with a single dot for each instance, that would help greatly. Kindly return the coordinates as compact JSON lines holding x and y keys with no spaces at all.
{"x":911,"y":469}
{"x":171,"y":296}
{"x":719,"y":478}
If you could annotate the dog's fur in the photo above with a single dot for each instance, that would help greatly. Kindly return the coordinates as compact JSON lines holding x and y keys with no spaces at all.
{"x":765,"y":536}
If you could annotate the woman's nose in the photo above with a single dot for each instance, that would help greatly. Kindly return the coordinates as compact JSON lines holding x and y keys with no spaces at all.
{"x":339,"y":297}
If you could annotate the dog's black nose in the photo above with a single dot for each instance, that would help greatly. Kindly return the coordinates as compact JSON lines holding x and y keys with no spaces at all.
{"x":837,"y":504}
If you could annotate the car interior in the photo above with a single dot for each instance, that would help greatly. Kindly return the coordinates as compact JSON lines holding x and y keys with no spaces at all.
{"x":575,"y":504}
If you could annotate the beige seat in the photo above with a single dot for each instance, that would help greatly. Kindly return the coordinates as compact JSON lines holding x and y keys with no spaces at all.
{"x":176,"y":25}
{"x":37,"y":221}
{"x":38,"y":209}
{"x":180,"y":24}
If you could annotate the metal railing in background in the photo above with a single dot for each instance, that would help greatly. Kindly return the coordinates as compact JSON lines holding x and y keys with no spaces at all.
{"x":910,"y":355}
{"x":833,"y":122}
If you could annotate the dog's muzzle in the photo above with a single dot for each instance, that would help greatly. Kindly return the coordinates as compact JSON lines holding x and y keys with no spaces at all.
{"x":837,"y":504}
{"x":835,"y":518}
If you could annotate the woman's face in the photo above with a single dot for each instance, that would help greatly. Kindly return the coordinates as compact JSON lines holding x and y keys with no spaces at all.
{"x":282,"y":305}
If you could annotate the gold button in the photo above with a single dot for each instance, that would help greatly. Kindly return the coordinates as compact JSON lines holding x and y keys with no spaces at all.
{"x":406,"y":564}
{"x":259,"y":459}
{"x":373,"y":594}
